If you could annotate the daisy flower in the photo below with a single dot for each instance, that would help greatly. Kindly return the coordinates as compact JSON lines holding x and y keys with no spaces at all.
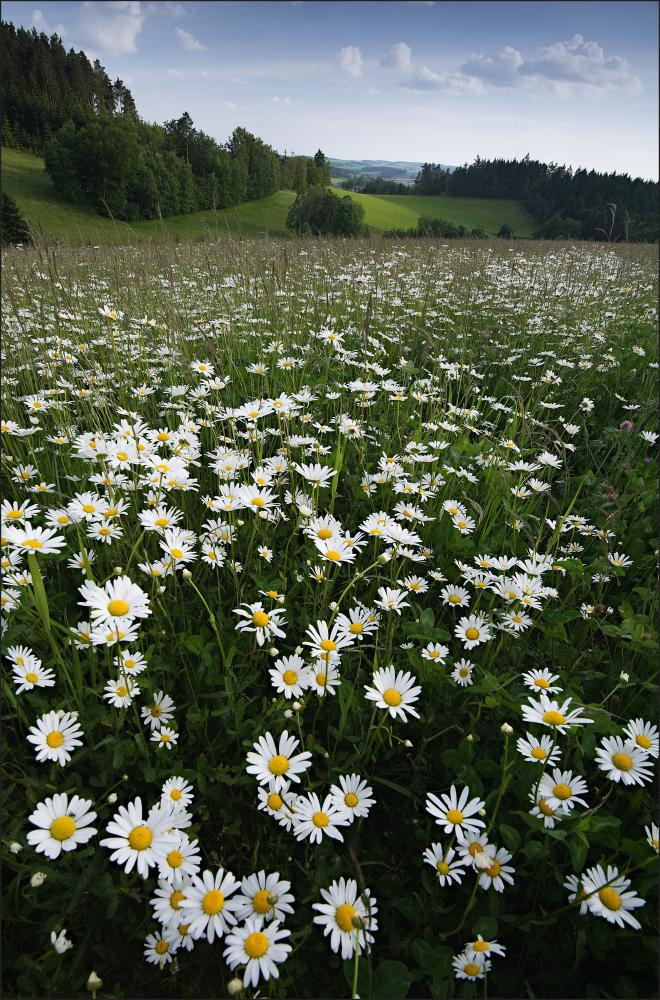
{"x":62,"y":824}
{"x":277,"y":802}
{"x":624,"y":761}
{"x":653,"y":836}
{"x":352,"y":795}
{"x":45,"y":541}
{"x":472,"y":631}
{"x":207,"y":906}
{"x":121,"y":692}
{"x":288,"y":676}
{"x":342,"y":913}
{"x":167,"y":902}
{"x":455,"y":813}
{"x":358,"y":623}
{"x":322,"y":677}
{"x":118,"y":602}
{"x":644,"y":735}
{"x":470,"y":966}
{"x":551,"y":713}
{"x":497,"y":872}
{"x":576,"y":892}
{"x":544,"y":811}
{"x":481,"y":947}
{"x":130,"y":663}
{"x":391,"y":599}
{"x":259,"y":947}
{"x":394,"y":691}
{"x":607,"y":896}
{"x":165,"y":737}
{"x":325,"y":640}
{"x":542,"y":679}
{"x":159,"y":712}
{"x":446,"y":869}
{"x":264,"y":898}
{"x":54,"y":736}
{"x":30,"y":675}
{"x":135,"y":841}
{"x":177,"y":791}
{"x":435,"y":652}
{"x":263,"y":623}
{"x":159,"y":948}
{"x":538,"y":750}
{"x":313,"y":820}
{"x":180,"y":860}
{"x":562,"y":790}
{"x":462,"y":672}
{"x":456,"y":597}
{"x":278,"y":763}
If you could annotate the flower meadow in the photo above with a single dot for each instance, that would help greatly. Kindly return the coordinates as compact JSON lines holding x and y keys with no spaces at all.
{"x":329,"y":620}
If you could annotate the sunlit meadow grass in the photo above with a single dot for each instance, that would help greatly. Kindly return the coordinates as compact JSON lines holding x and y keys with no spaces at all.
{"x":485,"y":416}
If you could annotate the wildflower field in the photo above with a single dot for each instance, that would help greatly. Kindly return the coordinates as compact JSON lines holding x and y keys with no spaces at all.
{"x":329,"y":620}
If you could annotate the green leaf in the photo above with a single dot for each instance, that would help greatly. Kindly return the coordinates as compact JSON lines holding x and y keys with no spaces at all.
{"x":393,"y":981}
{"x":510,"y":836}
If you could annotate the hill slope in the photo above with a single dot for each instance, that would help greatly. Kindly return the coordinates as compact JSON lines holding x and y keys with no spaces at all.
{"x":24,"y":178}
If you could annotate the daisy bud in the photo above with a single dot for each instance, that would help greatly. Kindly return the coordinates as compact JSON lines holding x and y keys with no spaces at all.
{"x":384,"y":557}
{"x":407,"y":743}
{"x":112,"y":798}
{"x":186,"y":574}
{"x":161,"y":590}
{"x":240,"y":523}
{"x":60,"y":713}
{"x":296,"y":706}
{"x":235,"y":987}
{"x":506,"y":729}
{"x":124,"y":777}
{"x":326,"y":754}
{"x":273,"y":651}
{"x":333,"y":605}
{"x":263,"y":515}
{"x":624,"y":677}
{"x":299,"y":650}
{"x":118,"y":570}
{"x":94,"y":982}
{"x":38,"y":879}
{"x":470,"y":738}
{"x":288,"y":713}
{"x":482,"y":860}
{"x":482,"y":812}
{"x":15,"y":847}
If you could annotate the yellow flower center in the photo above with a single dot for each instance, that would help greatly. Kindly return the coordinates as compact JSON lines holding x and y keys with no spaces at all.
{"x":454,"y":599}
{"x":122,"y":456}
{"x":122,"y":691}
{"x":140,"y":838}
{"x":177,"y":553}
{"x":480,"y":945}
{"x":391,"y":697}
{"x":274,"y":801}
{"x":14,"y":514}
{"x":344,"y":916}
{"x":55,"y":739}
{"x":494,"y":869}
{"x":162,"y":522}
{"x":212,"y":902}
{"x":89,"y":508}
{"x":464,"y":672}
{"x":538,"y":753}
{"x":175,"y":859}
{"x":442,"y":867}
{"x":324,"y":533}
{"x":351,"y":799}
{"x":162,"y":947}
{"x":321,"y":679}
{"x":541,"y":682}
{"x":278,"y":764}
{"x":643,"y":741}
{"x":260,"y":619}
{"x":256,"y":944}
{"x":176,"y":899}
{"x":163,"y":436}
{"x":455,"y":816}
{"x":472,"y":634}
{"x":175,"y":794}
{"x":32,"y":543}
{"x":31,"y":678}
{"x":356,"y":628}
{"x":333,"y":555}
{"x":258,"y":502}
{"x":260,"y":902}
{"x":320,"y":819}
{"x":474,"y":849}
{"x":183,"y":929}
{"x":118,"y":608}
{"x":471,"y":969}
{"x":553,"y":718}
{"x":63,"y":828}
{"x":328,"y":646}
{"x":289,"y":676}
{"x":545,"y":808}
{"x":622,"y":761}
{"x":610,"y":898}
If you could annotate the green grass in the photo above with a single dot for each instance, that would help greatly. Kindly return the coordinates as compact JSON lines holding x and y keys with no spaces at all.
{"x":394,"y":211}
{"x":24,"y":178}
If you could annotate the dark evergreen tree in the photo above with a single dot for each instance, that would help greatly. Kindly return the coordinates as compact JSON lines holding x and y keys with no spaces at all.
{"x":13,"y":227}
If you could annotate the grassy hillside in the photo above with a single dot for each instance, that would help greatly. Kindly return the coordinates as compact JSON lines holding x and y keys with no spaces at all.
{"x":393,"y":211}
{"x":24,"y":178}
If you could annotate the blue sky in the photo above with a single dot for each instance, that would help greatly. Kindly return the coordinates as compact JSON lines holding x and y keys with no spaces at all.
{"x":571,"y":82}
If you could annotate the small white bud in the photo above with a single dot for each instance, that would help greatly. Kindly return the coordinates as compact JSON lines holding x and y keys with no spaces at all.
{"x":296,"y":706}
{"x":333,"y":605}
{"x":124,"y":777}
{"x":161,"y":590}
{"x":235,"y":987}
{"x":506,"y":729}
{"x":470,"y":738}
{"x":240,"y":523}
{"x":624,"y":677}
{"x":326,"y":754}
{"x":299,"y":650}
{"x":186,"y":574}
{"x":38,"y":879}
{"x":15,"y":847}
{"x":288,"y":713}
{"x":94,"y":982}
{"x":118,"y":570}
{"x":112,"y":798}
{"x":407,"y":743}
{"x":482,"y":812}
{"x":482,"y":860}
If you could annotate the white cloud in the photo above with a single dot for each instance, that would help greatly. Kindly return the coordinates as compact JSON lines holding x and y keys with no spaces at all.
{"x":167,"y":7}
{"x":281,"y":100}
{"x":188,"y":42}
{"x":563,"y":67}
{"x":350,"y":60}
{"x":41,"y":24}
{"x":114,"y":25}
{"x":453,"y":83}
{"x":399,"y":58}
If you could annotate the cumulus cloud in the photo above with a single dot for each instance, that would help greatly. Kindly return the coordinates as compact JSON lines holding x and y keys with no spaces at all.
{"x":399,"y":58}
{"x":350,"y":61}
{"x":113,"y":26}
{"x":453,"y":83}
{"x":564,"y":66}
{"x":41,"y":24}
{"x":188,"y":42}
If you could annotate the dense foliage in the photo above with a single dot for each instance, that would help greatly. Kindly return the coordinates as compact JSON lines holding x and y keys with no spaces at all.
{"x":13,"y":227}
{"x":319,"y":212}
{"x":567,"y":203}
{"x":242,"y":482}
{"x":442,"y":228}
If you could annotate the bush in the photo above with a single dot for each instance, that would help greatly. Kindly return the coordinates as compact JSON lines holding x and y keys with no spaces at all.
{"x":318,"y":212}
{"x":13,"y":227}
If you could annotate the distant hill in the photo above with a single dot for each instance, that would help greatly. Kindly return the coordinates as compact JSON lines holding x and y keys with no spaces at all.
{"x":404,"y":171}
